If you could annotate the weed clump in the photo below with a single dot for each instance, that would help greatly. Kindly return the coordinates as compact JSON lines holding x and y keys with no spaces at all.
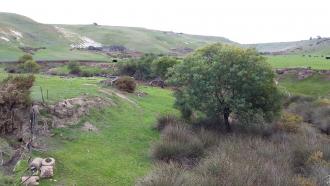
{"x":74,"y":68}
{"x":126,"y":83}
{"x":178,"y":143}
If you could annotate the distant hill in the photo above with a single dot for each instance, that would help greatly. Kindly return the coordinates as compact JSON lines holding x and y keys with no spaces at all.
{"x":313,"y":46}
{"x":19,"y":34}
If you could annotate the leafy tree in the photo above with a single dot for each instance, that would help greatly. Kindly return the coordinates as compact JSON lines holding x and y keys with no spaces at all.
{"x":220,"y":79}
{"x":161,"y":65}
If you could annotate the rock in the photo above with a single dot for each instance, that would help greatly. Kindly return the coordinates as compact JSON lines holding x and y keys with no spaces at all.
{"x":48,"y":162}
{"x":36,"y":162}
{"x":88,"y":127}
{"x":30,"y":181}
{"x":47,"y":171}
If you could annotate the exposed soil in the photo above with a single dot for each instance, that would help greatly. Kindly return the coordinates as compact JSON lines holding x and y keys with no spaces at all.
{"x":70,"y":111}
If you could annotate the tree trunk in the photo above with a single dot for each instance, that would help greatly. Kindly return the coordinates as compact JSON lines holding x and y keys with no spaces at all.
{"x":226,"y":113}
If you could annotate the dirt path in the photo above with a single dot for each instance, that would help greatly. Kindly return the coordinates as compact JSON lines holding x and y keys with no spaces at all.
{"x":112,"y":92}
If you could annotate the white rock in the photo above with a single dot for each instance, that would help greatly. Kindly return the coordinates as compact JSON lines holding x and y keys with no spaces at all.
{"x":30,"y":181}
{"x":48,"y":162}
{"x":36,"y":162}
{"x":46,"y":172}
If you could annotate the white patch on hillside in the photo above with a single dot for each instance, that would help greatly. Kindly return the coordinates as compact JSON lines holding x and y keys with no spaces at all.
{"x":4,"y":38}
{"x":77,"y":40}
{"x":11,"y":35}
{"x":17,"y":34}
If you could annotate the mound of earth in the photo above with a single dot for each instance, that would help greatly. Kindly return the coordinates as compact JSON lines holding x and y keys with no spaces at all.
{"x":70,"y":111}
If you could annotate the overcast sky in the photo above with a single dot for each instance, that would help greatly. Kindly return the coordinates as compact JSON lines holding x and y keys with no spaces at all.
{"x":243,"y":21}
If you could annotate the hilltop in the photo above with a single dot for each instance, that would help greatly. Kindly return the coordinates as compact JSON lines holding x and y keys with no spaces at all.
{"x":19,"y":34}
{"x":46,"y":41}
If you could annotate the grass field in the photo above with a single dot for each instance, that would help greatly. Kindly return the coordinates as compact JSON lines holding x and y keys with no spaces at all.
{"x":315,"y":86}
{"x":118,"y":153}
{"x":292,"y":61}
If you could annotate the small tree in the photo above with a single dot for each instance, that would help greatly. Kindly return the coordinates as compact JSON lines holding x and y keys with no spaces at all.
{"x":24,"y":58}
{"x":31,"y":66}
{"x":219,"y":80}
{"x":161,"y":65}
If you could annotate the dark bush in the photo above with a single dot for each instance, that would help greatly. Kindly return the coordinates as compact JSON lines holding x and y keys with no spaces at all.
{"x":166,"y":120}
{"x":25,"y":58}
{"x":15,"y":96}
{"x":178,"y":143}
{"x":85,"y":73}
{"x":140,"y":68}
{"x":30,"y":66}
{"x":164,"y":175}
{"x":126,"y":83}
{"x":74,"y":67}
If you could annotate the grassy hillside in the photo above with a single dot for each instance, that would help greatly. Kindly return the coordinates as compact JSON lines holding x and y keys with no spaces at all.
{"x":141,"y":39}
{"x":292,"y":61}
{"x":19,"y":31}
{"x":315,"y":46}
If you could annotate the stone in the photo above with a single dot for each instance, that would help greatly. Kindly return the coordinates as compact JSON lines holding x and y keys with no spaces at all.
{"x":36,"y":162}
{"x":48,"y":162}
{"x":46,"y":171}
{"x":30,"y":181}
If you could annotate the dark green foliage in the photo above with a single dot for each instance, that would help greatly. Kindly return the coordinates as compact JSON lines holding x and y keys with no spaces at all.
{"x":312,"y":111}
{"x":165,"y":121}
{"x":161,"y":65}
{"x":74,"y":67}
{"x":178,"y":143}
{"x":14,"y":95}
{"x":24,"y":58}
{"x":219,"y":80}
{"x":126,"y":83}
{"x":140,"y":69}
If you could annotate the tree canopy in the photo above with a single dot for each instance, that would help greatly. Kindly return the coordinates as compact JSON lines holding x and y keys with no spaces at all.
{"x":220,"y":79}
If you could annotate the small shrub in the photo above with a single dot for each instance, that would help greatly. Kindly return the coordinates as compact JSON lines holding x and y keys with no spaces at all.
{"x":14,"y":99}
{"x":24,"y":58}
{"x":177,"y":143}
{"x":74,"y":67}
{"x":164,"y":174}
{"x":31,"y":66}
{"x":85,"y":73}
{"x":126,"y":83}
{"x":290,"y":122}
{"x":165,"y":121}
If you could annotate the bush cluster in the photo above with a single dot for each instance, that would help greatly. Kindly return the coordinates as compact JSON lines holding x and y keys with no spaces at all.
{"x":126,"y":83}
{"x":26,"y":65}
{"x":15,"y":95}
{"x":313,"y":111}
{"x":197,"y":156}
{"x":74,"y":68}
{"x":147,"y":67}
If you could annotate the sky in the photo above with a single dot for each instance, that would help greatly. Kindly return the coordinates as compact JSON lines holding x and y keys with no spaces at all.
{"x":243,"y":21}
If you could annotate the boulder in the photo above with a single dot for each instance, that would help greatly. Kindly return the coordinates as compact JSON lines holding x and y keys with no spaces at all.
{"x":30,"y":181}
{"x":46,"y":171}
{"x":48,"y":162}
{"x":36,"y":162}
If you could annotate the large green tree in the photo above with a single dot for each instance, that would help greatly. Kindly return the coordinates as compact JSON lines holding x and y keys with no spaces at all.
{"x":220,"y":79}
